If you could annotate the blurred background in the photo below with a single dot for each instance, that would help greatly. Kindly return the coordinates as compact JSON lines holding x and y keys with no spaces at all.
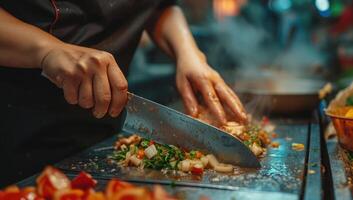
{"x":248,"y":39}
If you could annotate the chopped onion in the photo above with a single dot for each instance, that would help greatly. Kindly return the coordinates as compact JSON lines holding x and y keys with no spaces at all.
{"x":212,"y":160}
{"x":223,"y":168}
{"x":185,"y":165}
{"x":135,"y":161}
{"x":123,"y":147}
{"x":151,"y":151}
{"x":204,"y":161}
{"x":256,"y":149}
{"x":127,"y":158}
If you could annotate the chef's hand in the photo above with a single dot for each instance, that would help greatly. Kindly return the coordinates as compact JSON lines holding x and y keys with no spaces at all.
{"x":90,"y":78}
{"x":195,"y":75}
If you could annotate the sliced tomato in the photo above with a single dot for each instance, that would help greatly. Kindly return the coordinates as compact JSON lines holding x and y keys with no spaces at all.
{"x":197,"y":170}
{"x":70,"y":194}
{"x":29,"y":193}
{"x":50,"y":181}
{"x":11,"y":196}
{"x":115,"y":186}
{"x":135,"y":193}
{"x":92,"y":195}
{"x":83,"y":181}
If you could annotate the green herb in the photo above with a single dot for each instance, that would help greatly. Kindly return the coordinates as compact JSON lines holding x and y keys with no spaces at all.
{"x":167,"y":157}
{"x":192,"y":154}
{"x":144,"y":143}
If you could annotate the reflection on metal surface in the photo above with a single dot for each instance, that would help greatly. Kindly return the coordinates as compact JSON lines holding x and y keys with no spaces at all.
{"x":339,"y":176}
{"x":280,"y":176}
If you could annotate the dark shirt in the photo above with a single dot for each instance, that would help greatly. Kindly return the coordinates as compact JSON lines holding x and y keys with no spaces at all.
{"x":111,"y":25}
{"x":37,"y":125}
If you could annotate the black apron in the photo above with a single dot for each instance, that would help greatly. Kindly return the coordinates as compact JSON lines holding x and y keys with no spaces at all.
{"x":37,"y":126}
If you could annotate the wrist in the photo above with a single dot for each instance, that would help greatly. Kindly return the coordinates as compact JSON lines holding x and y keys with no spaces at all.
{"x":42,"y":49}
{"x":191,"y":55}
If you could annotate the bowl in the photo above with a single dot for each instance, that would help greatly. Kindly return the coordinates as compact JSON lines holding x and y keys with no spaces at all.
{"x":343,"y":126}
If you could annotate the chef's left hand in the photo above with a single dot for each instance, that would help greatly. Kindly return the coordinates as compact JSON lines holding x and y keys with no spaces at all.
{"x":193,"y":76}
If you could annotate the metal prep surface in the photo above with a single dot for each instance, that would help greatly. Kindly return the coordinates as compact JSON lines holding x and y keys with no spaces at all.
{"x":282,"y":172}
{"x":340,"y":172}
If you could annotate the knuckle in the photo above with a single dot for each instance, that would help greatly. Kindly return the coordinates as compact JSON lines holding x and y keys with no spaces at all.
{"x":70,"y":74}
{"x":98,"y":60}
{"x":82,"y":67}
{"x":122,"y":86}
{"x":107,"y":55}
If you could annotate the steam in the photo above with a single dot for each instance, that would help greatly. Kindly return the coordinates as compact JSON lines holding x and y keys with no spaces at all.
{"x":259,"y":54}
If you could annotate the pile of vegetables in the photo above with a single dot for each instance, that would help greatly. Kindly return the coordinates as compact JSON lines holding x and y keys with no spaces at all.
{"x":54,"y":185}
{"x":144,"y":153}
{"x":256,"y":137}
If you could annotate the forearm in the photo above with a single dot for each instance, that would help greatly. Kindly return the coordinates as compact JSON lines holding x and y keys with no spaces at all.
{"x":169,"y":30}
{"x":21,"y":44}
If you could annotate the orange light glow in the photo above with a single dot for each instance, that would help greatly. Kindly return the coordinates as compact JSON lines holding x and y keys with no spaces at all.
{"x":227,"y":8}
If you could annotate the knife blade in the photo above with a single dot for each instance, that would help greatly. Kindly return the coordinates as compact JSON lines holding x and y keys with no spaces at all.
{"x":167,"y":126}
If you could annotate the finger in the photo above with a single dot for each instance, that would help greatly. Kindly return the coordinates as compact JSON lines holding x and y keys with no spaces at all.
{"x":231,"y":100}
{"x":118,"y":85}
{"x":188,"y":96}
{"x":212,"y":101}
{"x":85,"y":99}
{"x":101,"y":93}
{"x":70,"y":88}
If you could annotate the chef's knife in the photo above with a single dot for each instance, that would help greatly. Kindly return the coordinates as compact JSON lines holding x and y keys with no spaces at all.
{"x":165,"y":125}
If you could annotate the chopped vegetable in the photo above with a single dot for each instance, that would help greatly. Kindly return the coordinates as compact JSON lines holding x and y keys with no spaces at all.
{"x":197,"y":169}
{"x":225,"y":168}
{"x":151,"y":151}
{"x":275,"y":144}
{"x":160,"y":156}
{"x":349,"y":113}
{"x":135,"y":161}
{"x":141,"y":153}
{"x":212,"y":160}
{"x":83,"y":181}
{"x":298,"y":146}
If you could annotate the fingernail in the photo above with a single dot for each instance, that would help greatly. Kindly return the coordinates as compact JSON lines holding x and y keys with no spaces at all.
{"x":113,"y":114}
{"x":98,"y":114}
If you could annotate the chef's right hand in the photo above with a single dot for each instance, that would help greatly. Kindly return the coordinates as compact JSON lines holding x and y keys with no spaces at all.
{"x":90,"y":78}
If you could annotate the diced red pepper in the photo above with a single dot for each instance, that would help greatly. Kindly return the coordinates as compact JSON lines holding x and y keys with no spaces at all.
{"x":197,"y":170}
{"x":151,"y":143}
{"x":83,"y":181}
{"x":50,"y":181}
{"x":140,"y":153}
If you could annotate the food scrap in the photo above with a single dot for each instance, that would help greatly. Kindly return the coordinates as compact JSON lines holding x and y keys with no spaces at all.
{"x":52,"y":184}
{"x":254,"y":136}
{"x":298,"y":146}
{"x":275,"y":144}
{"x":144,"y":153}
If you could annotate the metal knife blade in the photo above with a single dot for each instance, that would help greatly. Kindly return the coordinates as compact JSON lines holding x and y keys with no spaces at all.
{"x":167,"y":126}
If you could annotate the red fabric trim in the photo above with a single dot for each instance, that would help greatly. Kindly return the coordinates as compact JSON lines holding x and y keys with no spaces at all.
{"x":56,"y":15}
